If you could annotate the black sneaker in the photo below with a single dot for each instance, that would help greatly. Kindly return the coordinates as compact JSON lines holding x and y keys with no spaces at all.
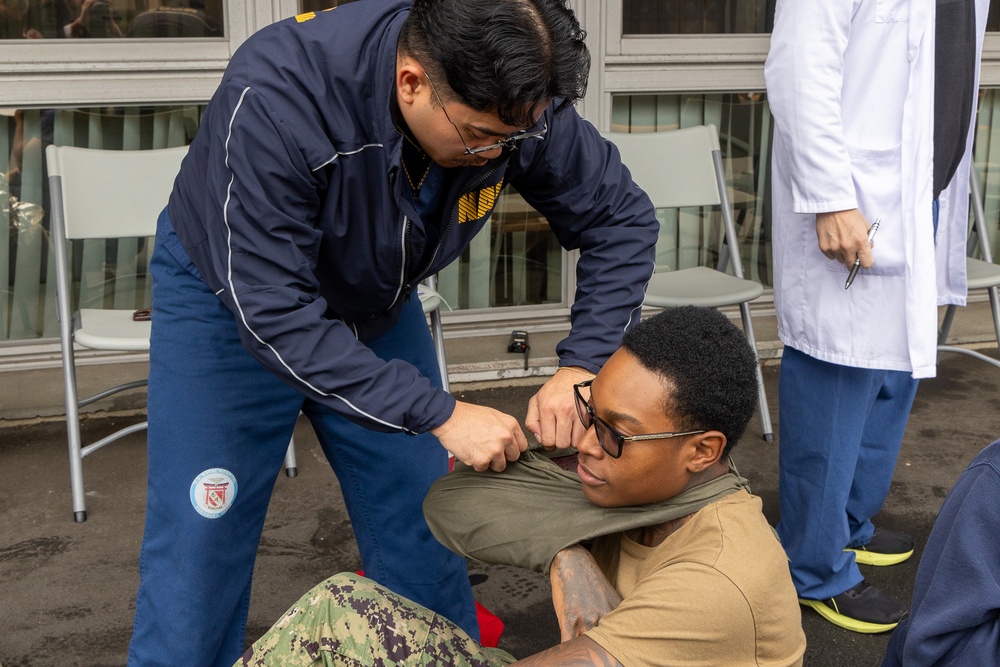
{"x":863,"y":608}
{"x":887,"y":547}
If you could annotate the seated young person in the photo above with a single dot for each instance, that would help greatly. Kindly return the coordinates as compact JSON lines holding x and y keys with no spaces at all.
{"x":680,"y":566}
{"x":955,"y":615}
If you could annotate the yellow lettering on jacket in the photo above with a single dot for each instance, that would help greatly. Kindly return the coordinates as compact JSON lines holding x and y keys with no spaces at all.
{"x":476,"y":205}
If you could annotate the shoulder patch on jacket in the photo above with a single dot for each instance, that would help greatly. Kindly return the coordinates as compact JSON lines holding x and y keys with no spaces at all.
{"x":476,"y":205}
{"x":302,"y":18}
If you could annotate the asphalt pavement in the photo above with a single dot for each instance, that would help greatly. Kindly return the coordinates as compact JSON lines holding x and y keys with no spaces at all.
{"x":67,"y":590}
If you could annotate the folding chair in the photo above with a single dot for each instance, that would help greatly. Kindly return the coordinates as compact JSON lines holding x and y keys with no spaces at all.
{"x":682,"y":168}
{"x":103,"y":194}
{"x":431,"y":302}
{"x":982,"y":274}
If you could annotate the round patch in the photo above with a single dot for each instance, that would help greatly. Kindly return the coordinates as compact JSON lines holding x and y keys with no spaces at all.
{"x":213,"y":492}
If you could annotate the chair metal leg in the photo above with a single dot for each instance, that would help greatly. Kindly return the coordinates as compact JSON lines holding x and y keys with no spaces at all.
{"x":290,"y":468}
{"x":949,"y":315}
{"x":68,"y":358}
{"x":438,"y":336}
{"x":75,"y":448}
{"x":994,"y":293}
{"x":765,"y":415}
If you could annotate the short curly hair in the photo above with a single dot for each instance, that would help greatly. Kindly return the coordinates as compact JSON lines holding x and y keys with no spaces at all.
{"x":708,"y":369}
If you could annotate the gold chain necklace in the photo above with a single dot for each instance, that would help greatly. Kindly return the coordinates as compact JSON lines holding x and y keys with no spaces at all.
{"x":409,"y":179}
{"x":420,"y":152}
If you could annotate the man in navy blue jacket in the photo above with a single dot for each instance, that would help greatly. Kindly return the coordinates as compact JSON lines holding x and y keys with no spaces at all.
{"x":346,"y":156}
{"x":955,"y":615}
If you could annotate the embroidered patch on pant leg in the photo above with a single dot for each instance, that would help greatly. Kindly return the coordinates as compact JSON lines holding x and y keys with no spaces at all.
{"x":213,"y":492}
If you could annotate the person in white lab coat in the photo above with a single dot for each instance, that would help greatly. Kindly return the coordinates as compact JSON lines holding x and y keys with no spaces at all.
{"x":872,"y":102}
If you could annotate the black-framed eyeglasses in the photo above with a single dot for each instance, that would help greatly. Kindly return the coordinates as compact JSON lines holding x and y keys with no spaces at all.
{"x":509,"y":142}
{"x":612,"y":441}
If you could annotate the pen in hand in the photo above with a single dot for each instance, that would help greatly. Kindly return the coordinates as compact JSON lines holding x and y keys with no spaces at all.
{"x":857,"y":262}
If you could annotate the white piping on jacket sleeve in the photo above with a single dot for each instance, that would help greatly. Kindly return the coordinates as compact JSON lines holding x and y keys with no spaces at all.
{"x":236,"y":300}
{"x":337,"y":155}
{"x":639,"y":307}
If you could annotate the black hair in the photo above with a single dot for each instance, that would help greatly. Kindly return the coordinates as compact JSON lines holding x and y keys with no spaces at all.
{"x":708,"y":369}
{"x":504,"y":57}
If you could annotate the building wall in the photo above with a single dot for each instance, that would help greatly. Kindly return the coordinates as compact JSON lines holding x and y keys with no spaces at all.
{"x":656,"y":66}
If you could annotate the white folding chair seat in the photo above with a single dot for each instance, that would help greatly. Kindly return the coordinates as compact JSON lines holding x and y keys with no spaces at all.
{"x":682,"y":168}
{"x":982,"y":274}
{"x":103,"y":194}
{"x":700,"y":286}
{"x":111,"y":330}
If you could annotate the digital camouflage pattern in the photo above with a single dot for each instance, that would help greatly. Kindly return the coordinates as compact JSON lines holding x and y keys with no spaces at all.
{"x":351,"y":620}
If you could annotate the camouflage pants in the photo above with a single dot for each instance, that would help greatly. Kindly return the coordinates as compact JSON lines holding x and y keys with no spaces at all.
{"x":350,"y":620}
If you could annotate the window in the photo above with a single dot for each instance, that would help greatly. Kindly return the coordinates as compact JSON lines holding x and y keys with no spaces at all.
{"x":112,"y":272}
{"x":696,"y":17}
{"x":111,"y":19}
{"x":690,"y":237}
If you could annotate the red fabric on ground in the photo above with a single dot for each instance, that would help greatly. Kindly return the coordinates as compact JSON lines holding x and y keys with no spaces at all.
{"x":490,"y":625}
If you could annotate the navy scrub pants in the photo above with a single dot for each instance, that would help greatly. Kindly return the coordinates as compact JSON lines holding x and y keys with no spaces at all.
{"x":840,"y":430}
{"x":219,"y":425}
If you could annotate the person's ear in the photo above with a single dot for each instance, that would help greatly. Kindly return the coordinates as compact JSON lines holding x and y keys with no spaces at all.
{"x":706,"y":451}
{"x":409,"y":78}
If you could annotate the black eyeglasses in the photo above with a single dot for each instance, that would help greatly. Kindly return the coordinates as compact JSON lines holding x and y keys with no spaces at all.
{"x":509,"y":142}
{"x":612,"y":441}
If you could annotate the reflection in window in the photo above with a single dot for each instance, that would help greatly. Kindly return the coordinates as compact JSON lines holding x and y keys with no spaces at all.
{"x":691,"y":236}
{"x":515,"y":260}
{"x":110,"y":19}
{"x":696,"y":17}
{"x":109,"y":272}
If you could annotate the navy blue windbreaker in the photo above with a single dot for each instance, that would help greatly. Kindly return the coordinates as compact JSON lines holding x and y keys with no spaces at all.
{"x":290,"y":203}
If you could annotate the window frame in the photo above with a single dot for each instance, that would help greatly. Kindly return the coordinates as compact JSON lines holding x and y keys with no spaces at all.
{"x":58,"y":72}
{"x":646,"y":64}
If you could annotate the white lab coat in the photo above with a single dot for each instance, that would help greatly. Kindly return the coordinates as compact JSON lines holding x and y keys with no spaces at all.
{"x":851,"y":87}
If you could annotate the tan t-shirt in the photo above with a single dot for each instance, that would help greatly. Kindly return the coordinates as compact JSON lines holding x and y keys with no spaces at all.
{"x":715,"y":592}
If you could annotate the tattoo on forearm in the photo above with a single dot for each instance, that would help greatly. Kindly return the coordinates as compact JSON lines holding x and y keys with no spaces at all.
{"x":581,"y":594}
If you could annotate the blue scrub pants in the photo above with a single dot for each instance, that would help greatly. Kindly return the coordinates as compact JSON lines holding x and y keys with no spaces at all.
{"x":219,"y":425}
{"x":840,"y":430}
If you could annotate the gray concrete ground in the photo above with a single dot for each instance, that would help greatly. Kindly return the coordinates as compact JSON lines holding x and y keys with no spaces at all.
{"x":66,"y":589}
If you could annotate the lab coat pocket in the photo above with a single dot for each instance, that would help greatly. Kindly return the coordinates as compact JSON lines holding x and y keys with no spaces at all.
{"x":892,"y":11}
{"x":877,"y":182}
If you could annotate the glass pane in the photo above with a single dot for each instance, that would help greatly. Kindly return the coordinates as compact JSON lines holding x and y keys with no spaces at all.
{"x":111,"y":19}
{"x":696,"y":17}
{"x":109,"y":272}
{"x":986,"y":159}
{"x":692,"y":236}
{"x":515,"y":260}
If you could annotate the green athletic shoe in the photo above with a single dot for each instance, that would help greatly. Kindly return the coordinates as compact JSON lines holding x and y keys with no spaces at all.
{"x":863,"y":608}
{"x":886,"y":547}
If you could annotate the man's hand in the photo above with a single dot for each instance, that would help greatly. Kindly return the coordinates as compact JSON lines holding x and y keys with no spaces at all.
{"x":481,"y":437}
{"x":552,"y":417}
{"x":581,"y":594}
{"x":843,"y":236}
